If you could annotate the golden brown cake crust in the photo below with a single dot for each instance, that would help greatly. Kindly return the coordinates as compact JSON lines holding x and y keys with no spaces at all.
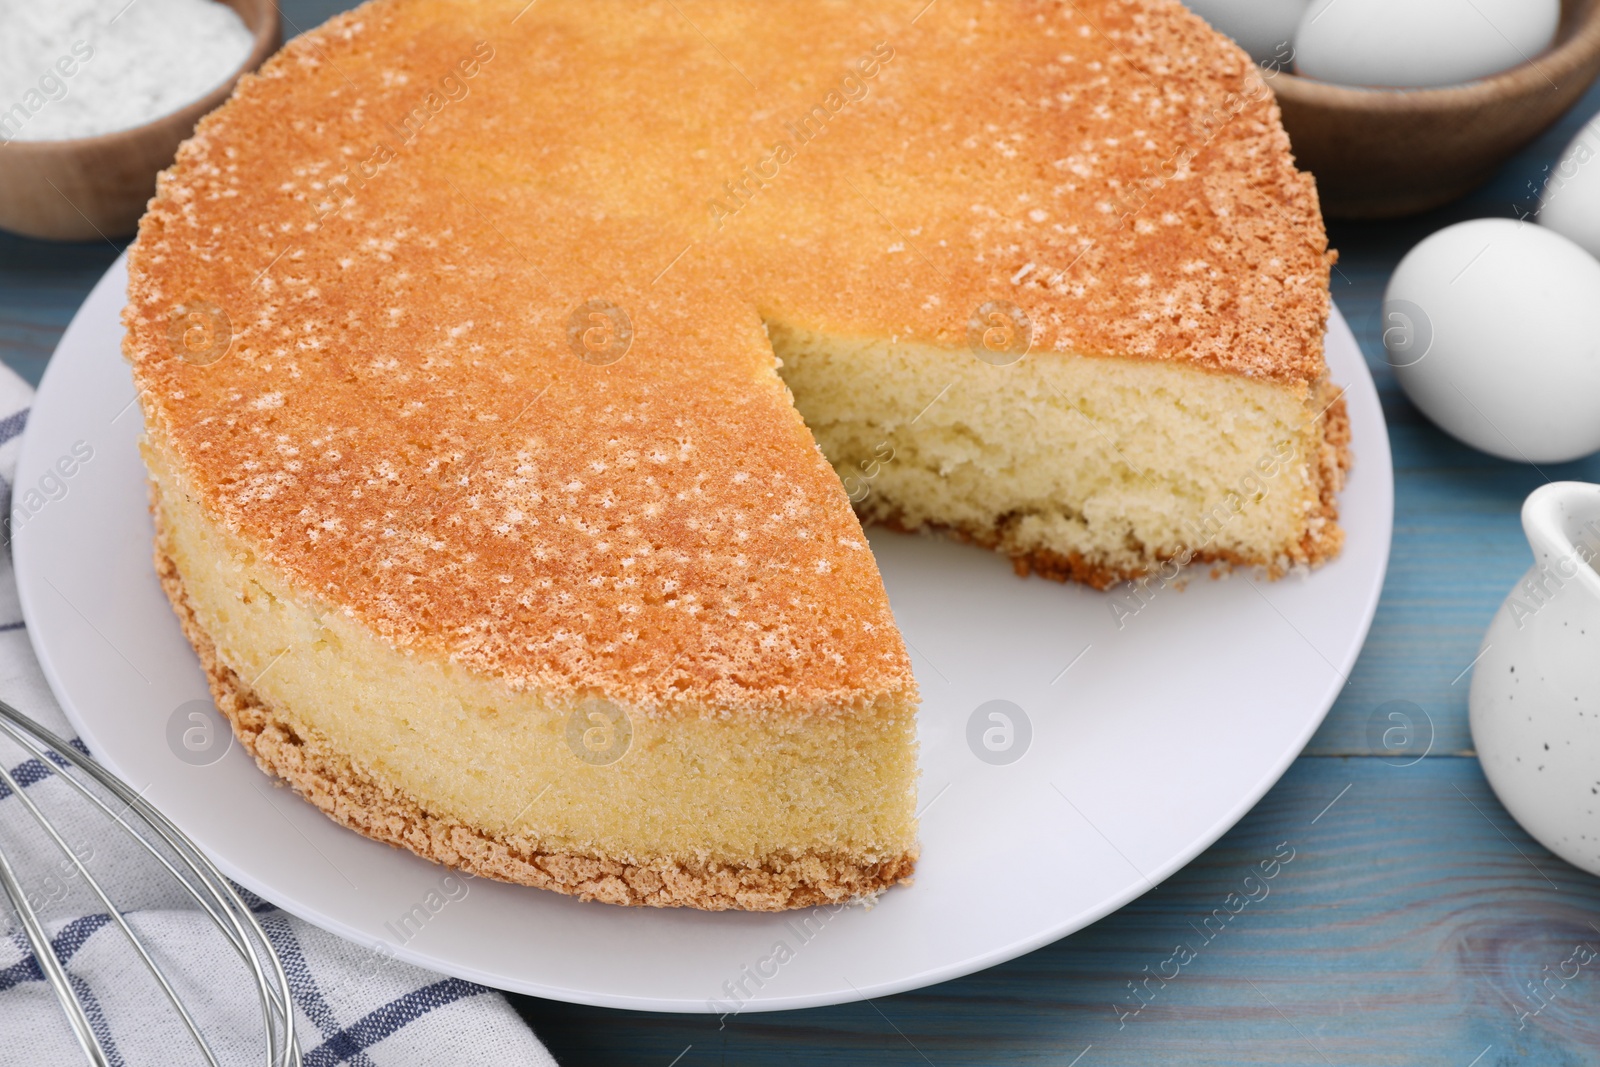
{"x":354,"y":798}
{"x":400,"y":424}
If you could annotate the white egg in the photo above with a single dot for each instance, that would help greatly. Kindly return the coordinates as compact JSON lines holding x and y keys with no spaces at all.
{"x":1571,"y":203}
{"x":1493,"y":329}
{"x":1420,"y":43}
{"x":1264,"y":28}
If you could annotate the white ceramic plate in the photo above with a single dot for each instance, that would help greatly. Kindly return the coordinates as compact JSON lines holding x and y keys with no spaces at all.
{"x":1148,"y":741}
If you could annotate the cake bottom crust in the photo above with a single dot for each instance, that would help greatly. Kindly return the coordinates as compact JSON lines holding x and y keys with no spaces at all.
{"x":350,"y":796}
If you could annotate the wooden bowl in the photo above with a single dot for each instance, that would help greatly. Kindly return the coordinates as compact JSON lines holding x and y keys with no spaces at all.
{"x":91,"y":187}
{"x":1381,"y":153}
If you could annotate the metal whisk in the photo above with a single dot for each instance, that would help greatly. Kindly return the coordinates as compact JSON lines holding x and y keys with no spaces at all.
{"x":199,"y":878}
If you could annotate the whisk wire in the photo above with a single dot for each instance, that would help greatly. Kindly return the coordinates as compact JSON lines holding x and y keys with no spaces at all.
{"x":273,"y":999}
{"x":111,"y":909}
{"x":215,"y":895}
{"x":54,"y":973}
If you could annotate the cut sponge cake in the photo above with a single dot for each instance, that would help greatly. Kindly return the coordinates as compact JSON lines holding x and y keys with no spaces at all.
{"x":1077,"y":467}
{"x":509,"y":373}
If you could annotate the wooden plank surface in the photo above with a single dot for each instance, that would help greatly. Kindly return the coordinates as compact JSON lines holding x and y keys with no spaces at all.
{"x":1411,"y":921}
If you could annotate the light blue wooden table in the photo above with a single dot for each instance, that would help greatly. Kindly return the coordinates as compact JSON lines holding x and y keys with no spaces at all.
{"x":1414,"y":916}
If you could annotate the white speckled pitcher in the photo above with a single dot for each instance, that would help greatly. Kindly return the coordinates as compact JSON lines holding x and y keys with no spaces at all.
{"x":1536,"y":687}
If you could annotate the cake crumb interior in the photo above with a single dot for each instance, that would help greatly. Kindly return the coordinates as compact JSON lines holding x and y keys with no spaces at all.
{"x":1114,"y":463}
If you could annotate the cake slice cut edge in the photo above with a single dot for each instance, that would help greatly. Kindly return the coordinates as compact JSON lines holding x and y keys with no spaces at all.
{"x":1087,"y":468}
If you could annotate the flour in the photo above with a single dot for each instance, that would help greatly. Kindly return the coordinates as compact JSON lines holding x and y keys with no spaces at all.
{"x":77,"y":68}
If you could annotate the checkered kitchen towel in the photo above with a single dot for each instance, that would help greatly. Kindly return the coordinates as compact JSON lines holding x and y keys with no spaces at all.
{"x":354,"y":1007}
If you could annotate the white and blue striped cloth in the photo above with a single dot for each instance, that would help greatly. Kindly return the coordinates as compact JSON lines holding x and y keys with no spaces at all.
{"x":353,"y":1006}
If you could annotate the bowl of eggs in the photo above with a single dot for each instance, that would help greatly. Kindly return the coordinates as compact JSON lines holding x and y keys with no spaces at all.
{"x":96,"y":96}
{"x":1398,"y":106}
